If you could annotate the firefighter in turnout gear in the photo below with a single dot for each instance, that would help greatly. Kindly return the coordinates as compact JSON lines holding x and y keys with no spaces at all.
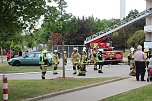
{"x":100,"y":60}
{"x":75,"y":58}
{"x":130,"y":55}
{"x":132,"y":62}
{"x":82,"y":71}
{"x":43,"y":63}
{"x":55,"y":61}
{"x":147,"y":54}
{"x":93,"y":56}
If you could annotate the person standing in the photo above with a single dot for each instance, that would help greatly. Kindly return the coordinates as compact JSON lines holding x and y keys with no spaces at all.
{"x":100,"y":60}
{"x":94,"y":54}
{"x":55,"y":61}
{"x":132,"y":64}
{"x":82,"y":71}
{"x":147,"y":54}
{"x":140,"y":63}
{"x":75,"y":57}
{"x":130,"y":55}
{"x":65,"y":57}
{"x":8,"y":55}
{"x":43,"y":63}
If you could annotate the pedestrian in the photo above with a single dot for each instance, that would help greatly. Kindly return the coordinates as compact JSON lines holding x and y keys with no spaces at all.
{"x":8,"y":55}
{"x":75,"y":58}
{"x":82,"y":71}
{"x":140,"y":63}
{"x":65,"y":57}
{"x":43,"y":63}
{"x":20,"y":53}
{"x":100,"y":60}
{"x":55,"y":61}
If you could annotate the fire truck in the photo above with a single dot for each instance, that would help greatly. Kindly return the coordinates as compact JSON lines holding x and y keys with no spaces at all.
{"x":102,"y":41}
{"x":111,"y":56}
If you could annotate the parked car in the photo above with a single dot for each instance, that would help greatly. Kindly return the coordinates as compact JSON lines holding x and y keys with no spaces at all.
{"x":30,"y":58}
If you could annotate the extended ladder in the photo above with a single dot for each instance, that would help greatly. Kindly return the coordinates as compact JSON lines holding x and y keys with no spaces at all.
{"x":118,"y":26}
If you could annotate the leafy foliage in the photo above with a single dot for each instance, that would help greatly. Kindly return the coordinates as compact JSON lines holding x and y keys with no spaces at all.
{"x":137,"y":39}
{"x":16,"y":16}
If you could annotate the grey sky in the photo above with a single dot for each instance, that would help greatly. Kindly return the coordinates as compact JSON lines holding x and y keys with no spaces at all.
{"x":103,"y":9}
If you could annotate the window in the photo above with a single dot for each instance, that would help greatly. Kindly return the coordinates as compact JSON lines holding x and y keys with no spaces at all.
{"x":37,"y":55}
{"x":31,"y":55}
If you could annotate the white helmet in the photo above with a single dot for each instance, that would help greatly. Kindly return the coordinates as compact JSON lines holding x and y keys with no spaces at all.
{"x":44,"y":51}
{"x":84,"y":49}
{"x":64,"y":51}
{"x":132,"y":49}
{"x":100,"y":50}
{"x":55,"y":51}
{"x":75,"y":49}
{"x":147,"y":48}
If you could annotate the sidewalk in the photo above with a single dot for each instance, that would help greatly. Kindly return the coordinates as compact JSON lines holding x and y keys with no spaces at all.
{"x":100,"y":92}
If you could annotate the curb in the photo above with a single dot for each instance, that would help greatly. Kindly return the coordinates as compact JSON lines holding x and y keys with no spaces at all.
{"x":72,"y":90}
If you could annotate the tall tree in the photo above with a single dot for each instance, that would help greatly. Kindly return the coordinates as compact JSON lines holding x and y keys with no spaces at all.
{"x":18,"y":15}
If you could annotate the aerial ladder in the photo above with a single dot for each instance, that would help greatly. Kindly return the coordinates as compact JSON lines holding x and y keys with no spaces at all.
{"x":101,"y":37}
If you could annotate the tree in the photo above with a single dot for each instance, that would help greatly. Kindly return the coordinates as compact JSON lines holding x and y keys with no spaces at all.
{"x":19,"y":15}
{"x":58,"y":21}
{"x":128,"y":31}
{"x":137,"y":39}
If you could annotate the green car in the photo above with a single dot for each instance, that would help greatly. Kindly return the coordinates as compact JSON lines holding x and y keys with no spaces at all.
{"x":31,"y":58}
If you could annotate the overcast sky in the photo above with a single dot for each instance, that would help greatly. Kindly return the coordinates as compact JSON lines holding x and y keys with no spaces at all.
{"x":102,"y":9}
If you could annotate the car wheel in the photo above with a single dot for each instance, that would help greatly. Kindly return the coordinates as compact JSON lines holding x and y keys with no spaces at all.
{"x":16,"y":63}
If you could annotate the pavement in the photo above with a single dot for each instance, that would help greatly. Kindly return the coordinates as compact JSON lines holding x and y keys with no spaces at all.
{"x":93,"y":93}
{"x":99,"y":92}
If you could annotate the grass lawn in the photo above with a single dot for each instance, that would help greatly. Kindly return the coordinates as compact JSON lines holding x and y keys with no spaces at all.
{"x":140,"y":94}
{"x":6,"y":68}
{"x":23,"y":89}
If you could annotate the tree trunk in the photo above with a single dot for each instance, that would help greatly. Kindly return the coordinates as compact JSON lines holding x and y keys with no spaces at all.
{"x":63,"y":57}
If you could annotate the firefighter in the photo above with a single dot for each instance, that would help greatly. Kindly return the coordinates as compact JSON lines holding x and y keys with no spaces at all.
{"x":75,"y":58}
{"x":43,"y":63}
{"x":55,"y":61}
{"x":100,"y":60}
{"x":147,"y":54}
{"x":130,"y":55}
{"x":82,"y":71}
{"x":132,"y":63}
{"x":94,"y":53}
{"x":65,"y":57}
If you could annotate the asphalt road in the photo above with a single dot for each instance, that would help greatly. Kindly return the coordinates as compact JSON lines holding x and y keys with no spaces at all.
{"x":120,"y":70}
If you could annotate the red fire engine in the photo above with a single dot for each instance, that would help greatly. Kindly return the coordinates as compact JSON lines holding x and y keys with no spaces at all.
{"x":111,"y":56}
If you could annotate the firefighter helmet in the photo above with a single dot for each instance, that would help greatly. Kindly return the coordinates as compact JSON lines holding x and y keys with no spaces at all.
{"x":55,"y":51}
{"x":100,"y":50}
{"x":75,"y":49}
{"x":64,"y":52}
{"x":44,"y":51}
